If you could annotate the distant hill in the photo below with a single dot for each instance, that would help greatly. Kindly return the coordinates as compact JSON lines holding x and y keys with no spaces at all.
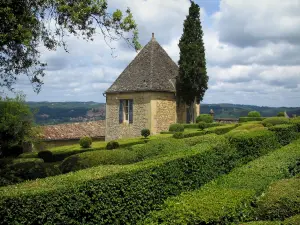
{"x":68,"y":112}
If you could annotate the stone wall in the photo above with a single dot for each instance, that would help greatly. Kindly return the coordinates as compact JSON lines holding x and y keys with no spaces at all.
{"x":141,"y":115}
{"x":163,"y":111}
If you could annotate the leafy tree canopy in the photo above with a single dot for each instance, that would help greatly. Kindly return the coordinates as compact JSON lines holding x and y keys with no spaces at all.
{"x":16,"y":122}
{"x":192,"y":80}
{"x":27,"y":24}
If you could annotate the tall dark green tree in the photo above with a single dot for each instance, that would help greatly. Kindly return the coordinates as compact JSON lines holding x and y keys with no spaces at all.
{"x":28,"y":24}
{"x":192,"y":80}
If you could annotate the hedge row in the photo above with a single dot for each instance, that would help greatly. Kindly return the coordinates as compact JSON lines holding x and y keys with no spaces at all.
{"x":247,"y":119}
{"x":296,"y":121}
{"x":222,"y":129}
{"x":294,"y":220}
{"x":196,"y":125}
{"x":122,"y":198}
{"x":285,"y":133}
{"x":275,"y":121}
{"x":281,"y":200}
{"x":228,"y":199}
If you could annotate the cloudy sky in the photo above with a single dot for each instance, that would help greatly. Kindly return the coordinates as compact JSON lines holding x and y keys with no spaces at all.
{"x":252,"y":52}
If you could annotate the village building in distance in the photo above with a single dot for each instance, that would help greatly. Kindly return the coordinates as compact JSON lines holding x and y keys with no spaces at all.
{"x":144,"y":96}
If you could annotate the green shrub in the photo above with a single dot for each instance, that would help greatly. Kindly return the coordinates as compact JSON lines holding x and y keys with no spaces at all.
{"x":178,"y":135}
{"x":262,"y":223}
{"x":85,"y":142}
{"x":190,"y":126}
{"x":176,"y":127}
{"x":229,"y":198}
{"x":96,"y":158}
{"x":281,"y":200}
{"x":285,"y":133}
{"x":145,"y":133}
{"x":294,"y":220}
{"x":112,"y":145}
{"x":38,"y":160}
{"x":202,"y":125}
{"x":249,"y":119}
{"x":268,"y":125}
{"x":253,"y":143}
{"x":47,"y":156}
{"x":204,"y":118}
{"x":193,"y":134}
{"x":280,"y":114}
{"x":250,"y":126}
{"x":221,"y":130}
{"x":254,"y":114}
{"x":296,"y":121}
{"x":117,"y":198}
{"x":275,"y":121}
{"x":26,"y":170}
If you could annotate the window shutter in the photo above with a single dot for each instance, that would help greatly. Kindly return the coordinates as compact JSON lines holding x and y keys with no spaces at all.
{"x":130,"y":111}
{"x":121,"y":114}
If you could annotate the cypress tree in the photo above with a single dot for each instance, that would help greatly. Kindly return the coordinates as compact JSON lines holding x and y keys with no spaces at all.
{"x":192,"y":80}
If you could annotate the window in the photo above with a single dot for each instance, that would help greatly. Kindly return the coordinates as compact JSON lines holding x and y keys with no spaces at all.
{"x":126,"y":111}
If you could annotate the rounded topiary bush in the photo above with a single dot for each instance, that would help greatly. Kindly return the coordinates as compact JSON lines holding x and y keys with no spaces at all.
{"x":85,"y":142}
{"x":47,"y":156}
{"x":176,"y":127}
{"x":204,"y":118}
{"x":280,"y":114}
{"x":112,"y":145}
{"x":202,"y":125}
{"x":178,"y":135}
{"x":253,"y":114}
{"x":145,"y":133}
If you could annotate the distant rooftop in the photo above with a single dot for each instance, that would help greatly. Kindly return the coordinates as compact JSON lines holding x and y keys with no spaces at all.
{"x":73,"y":131}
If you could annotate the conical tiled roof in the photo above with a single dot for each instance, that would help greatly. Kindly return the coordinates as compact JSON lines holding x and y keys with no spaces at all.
{"x":151,"y":70}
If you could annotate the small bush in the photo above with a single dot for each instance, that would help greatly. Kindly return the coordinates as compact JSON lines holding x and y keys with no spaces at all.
{"x":112,"y":145}
{"x":176,"y":127}
{"x":202,"y":125}
{"x":285,"y":133}
{"x":268,"y":125}
{"x":281,"y":200}
{"x":254,"y":114}
{"x":145,"y":133}
{"x":275,"y":121}
{"x":178,"y":135}
{"x":85,"y":142}
{"x":47,"y":156}
{"x":204,"y":118}
{"x":280,"y":114}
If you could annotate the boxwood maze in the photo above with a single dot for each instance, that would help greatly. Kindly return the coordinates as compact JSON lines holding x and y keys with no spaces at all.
{"x":124,"y":197}
{"x":228,"y":199}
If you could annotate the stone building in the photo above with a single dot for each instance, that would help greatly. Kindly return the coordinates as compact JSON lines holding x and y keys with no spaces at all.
{"x":144,"y":96}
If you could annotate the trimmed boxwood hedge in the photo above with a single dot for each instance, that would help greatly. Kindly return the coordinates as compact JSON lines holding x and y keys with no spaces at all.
{"x":253,"y":143}
{"x":275,"y":121}
{"x":229,"y":198}
{"x":281,"y":200}
{"x":247,"y":119}
{"x":222,"y":129}
{"x":122,"y":198}
{"x":296,"y":121}
{"x":196,"y":125}
{"x":294,"y":220}
{"x":285,"y":133}
{"x":262,"y":223}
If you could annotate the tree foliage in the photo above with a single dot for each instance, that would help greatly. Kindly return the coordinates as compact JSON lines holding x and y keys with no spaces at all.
{"x":192,"y":80}
{"x":28,"y":24}
{"x":16,"y":121}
